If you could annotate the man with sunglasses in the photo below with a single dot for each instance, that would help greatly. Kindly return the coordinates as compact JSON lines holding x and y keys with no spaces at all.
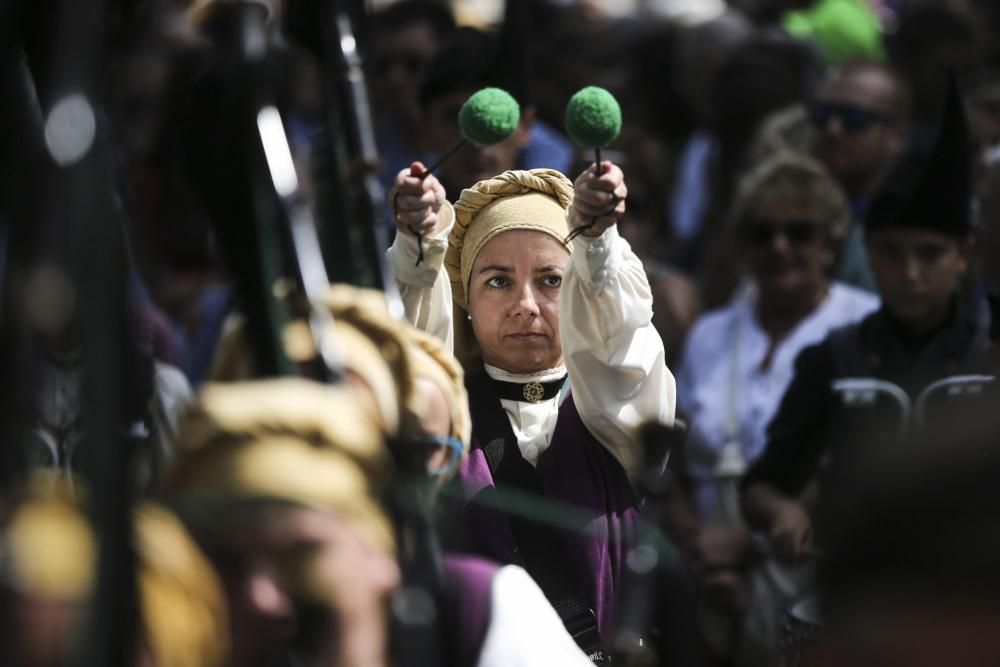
{"x":861,"y":118}
{"x":907,"y":369}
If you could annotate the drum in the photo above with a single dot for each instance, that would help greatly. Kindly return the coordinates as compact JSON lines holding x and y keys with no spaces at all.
{"x":800,"y":628}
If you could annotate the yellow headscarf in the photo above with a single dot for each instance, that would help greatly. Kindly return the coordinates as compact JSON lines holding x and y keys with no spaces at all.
{"x":49,"y":548}
{"x":432,"y":362}
{"x":183,"y":607}
{"x":285,"y":440}
{"x":365,"y":333}
{"x":366,"y":310}
{"x":534,"y":200}
{"x":51,"y":553}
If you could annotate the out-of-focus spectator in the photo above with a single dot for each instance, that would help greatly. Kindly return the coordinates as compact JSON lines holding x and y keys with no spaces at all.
{"x":790,"y":217}
{"x":405,"y":36}
{"x":861,"y":115}
{"x":44,"y":327}
{"x":702,"y":50}
{"x":466,"y":63}
{"x":760,"y":77}
{"x":469,"y":61}
{"x":867,"y":386}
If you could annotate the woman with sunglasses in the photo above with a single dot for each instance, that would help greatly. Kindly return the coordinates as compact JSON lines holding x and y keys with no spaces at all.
{"x":789,"y":217}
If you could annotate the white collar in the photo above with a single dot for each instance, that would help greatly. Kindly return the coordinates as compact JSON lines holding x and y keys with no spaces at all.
{"x":548,"y":375}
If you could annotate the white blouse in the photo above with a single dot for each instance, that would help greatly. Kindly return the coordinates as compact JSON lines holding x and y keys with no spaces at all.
{"x":613,"y":355}
{"x":727,"y":394}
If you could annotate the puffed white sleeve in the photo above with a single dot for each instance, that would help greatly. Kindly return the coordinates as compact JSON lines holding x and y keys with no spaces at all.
{"x":426,"y":289}
{"x":524,"y":629}
{"x":613,"y":354}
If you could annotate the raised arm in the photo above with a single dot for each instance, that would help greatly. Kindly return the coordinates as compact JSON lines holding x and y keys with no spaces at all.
{"x":614,"y":356}
{"x":419,"y":207}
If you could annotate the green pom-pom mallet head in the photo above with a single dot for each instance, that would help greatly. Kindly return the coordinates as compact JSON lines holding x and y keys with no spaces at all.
{"x":593,"y":119}
{"x":488,"y":117}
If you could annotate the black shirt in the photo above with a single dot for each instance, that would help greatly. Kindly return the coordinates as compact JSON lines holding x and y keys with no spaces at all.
{"x":820,"y":419}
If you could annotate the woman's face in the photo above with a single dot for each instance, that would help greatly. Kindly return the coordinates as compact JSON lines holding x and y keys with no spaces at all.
{"x":788,"y":246}
{"x":514,"y":300}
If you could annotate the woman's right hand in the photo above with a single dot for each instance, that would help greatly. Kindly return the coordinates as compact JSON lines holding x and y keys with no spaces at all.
{"x":791,"y":531}
{"x":416,"y":201}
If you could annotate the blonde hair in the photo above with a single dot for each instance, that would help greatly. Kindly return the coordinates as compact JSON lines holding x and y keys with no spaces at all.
{"x":791,"y":176}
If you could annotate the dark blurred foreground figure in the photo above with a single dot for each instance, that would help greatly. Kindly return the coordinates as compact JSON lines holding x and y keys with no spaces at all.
{"x":869,"y":387}
{"x":43,"y":350}
{"x":273,"y":482}
{"x":912,"y":577}
{"x":48,"y":565}
{"x":283,"y":483}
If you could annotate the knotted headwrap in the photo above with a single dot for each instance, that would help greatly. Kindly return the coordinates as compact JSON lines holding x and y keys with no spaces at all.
{"x":183,"y":609}
{"x":432,"y":362}
{"x":368,"y":339}
{"x":49,"y":549}
{"x":286,"y":441}
{"x":534,"y":200}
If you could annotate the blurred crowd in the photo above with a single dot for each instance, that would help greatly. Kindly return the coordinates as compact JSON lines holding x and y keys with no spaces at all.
{"x":274,"y":394}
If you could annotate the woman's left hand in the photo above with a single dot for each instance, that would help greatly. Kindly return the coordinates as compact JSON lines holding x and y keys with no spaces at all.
{"x":598,"y":201}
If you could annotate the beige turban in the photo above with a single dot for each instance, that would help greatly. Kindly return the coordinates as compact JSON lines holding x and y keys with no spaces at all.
{"x":367,"y":312}
{"x":534,"y":200}
{"x":50,"y":551}
{"x":284,"y":440}
{"x":183,"y":607}
{"x":366,"y":334}
{"x":432,"y":362}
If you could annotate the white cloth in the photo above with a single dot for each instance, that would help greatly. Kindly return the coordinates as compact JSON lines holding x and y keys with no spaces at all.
{"x":524,"y":629}
{"x":613,"y":355}
{"x":533,"y":423}
{"x":726,"y":393}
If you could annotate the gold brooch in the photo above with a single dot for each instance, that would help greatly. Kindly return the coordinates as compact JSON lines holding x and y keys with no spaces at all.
{"x":533,"y":391}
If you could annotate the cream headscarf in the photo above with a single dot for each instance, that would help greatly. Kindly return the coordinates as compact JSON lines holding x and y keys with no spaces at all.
{"x":535,"y":200}
{"x":432,"y":362}
{"x":285,"y":440}
{"x":367,"y":337}
{"x":183,"y":607}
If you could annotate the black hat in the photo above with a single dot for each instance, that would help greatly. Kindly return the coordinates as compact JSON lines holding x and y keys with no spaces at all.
{"x":928,"y":187}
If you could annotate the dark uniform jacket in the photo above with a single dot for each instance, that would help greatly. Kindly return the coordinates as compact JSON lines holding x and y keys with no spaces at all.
{"x":868,"y":387}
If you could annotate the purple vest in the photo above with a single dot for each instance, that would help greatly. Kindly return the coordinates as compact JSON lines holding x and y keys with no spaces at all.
{"x":472,"y":580}
{"x":575,"y":470}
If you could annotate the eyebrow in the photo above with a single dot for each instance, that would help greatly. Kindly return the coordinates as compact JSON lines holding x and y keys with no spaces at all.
{"x":497,"y":267}
{"x":508,"y":269}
